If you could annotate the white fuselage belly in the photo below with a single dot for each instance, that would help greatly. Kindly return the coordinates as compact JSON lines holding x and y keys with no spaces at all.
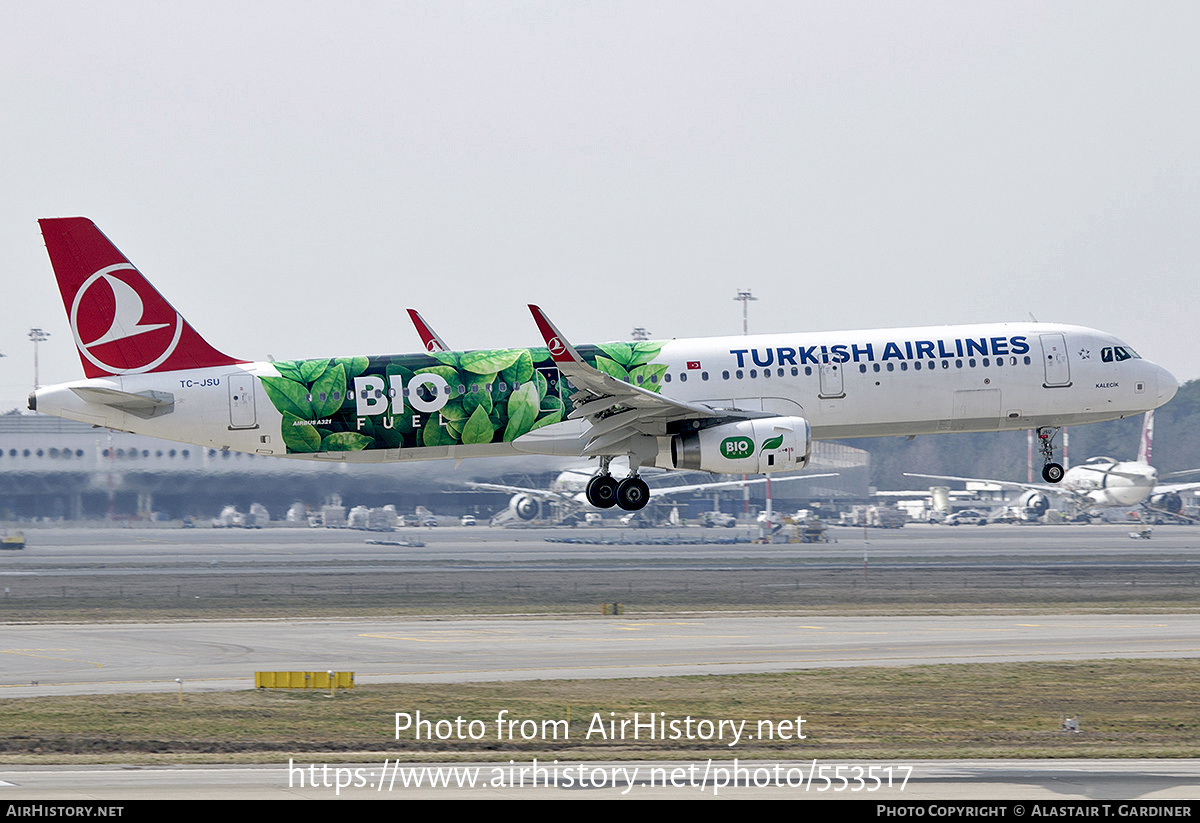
{"x":846,"y":384}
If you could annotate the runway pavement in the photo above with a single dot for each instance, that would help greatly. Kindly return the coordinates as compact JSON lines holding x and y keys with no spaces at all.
{"x":147,"y":655}
{"x":219,"y":655}
{"x":56,"y":658}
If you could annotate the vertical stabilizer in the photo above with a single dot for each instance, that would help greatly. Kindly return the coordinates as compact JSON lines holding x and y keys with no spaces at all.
{"x":120,"y":322}
{"x":1147,"y":439}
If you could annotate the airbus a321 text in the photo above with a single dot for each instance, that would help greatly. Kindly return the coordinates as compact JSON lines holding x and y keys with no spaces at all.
{"x":727,"y":405}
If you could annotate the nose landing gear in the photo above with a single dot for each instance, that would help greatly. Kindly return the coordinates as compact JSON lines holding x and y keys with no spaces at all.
{"x":1051,"y":472}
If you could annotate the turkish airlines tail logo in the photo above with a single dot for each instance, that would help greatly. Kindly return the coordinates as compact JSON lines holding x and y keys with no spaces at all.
{"x":120,"y":322}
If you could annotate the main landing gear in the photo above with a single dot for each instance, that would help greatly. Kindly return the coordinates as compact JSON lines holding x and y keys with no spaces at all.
{"x":604,"y":491}
{"x":1051,"y":472}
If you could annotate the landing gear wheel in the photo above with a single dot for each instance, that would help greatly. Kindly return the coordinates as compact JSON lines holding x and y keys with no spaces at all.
{"x":601,"y":491}
{"x":633,"y":494}
{"x":1052,"y":473}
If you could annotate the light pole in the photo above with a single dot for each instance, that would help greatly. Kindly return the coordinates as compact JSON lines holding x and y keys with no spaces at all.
{"x":745,"y":296}
{"x":37,"y":336}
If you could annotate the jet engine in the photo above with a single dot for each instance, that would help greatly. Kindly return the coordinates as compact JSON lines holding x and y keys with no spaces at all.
{"x":1034,"y":504}
{"x":1168,"y":502}
{"x":769,"y":444}
{"x":525,"y":507}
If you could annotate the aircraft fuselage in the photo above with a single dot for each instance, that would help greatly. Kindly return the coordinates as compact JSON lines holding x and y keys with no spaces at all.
{"x":997,"y":377}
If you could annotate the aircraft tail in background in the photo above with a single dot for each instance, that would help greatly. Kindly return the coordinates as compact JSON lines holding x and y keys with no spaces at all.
{"x":1147,"y":439}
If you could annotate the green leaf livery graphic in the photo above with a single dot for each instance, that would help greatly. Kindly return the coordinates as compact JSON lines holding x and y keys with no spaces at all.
{"x":438,"y":399}
{"x":773,"y":443}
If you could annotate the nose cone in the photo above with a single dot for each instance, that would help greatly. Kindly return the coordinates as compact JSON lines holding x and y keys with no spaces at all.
{"x":1167,"y":385}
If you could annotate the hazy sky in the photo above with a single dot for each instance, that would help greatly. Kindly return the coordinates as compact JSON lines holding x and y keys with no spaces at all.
{"x":293,"y":175}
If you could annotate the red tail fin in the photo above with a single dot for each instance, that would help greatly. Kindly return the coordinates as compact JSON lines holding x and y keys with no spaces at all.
{"x":1147,"y":438}
{"x":122,"y":325}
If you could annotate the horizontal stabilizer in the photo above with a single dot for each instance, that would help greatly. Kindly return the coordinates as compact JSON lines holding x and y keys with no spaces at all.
{"x":145,"y":404}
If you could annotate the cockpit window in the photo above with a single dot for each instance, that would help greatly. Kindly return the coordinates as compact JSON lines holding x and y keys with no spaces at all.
{"x":1118,"y":353}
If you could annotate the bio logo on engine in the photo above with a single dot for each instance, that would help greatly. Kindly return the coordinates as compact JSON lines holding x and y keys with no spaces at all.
{"x":735,"y":447}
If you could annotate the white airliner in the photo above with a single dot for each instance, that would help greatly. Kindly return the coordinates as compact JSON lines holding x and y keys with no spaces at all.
{"x":1102,"y":482}
{"x":727,"y":405}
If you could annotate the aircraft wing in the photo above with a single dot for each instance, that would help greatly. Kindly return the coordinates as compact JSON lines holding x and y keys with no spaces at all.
{"x":731,"y":484}
{"x":1008,"y":484}
{"x":544,"y":494}
{"x":616,"y":410}
{"x":1168,"y":488}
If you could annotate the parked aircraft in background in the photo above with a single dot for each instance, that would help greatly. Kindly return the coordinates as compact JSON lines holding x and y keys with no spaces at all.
{"x":569,"y":493}
{"x":1102,"y":482}
{"x":727,"y":405}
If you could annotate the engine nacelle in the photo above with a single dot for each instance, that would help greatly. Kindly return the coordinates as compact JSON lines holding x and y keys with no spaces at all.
{"x":1034,"y":504}
{"x":525,"y":507}
{"x":769,"y":444}
{"x":1168,"y":502}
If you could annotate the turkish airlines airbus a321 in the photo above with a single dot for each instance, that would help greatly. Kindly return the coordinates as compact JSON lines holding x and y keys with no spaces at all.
{"x":729,"y":405}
